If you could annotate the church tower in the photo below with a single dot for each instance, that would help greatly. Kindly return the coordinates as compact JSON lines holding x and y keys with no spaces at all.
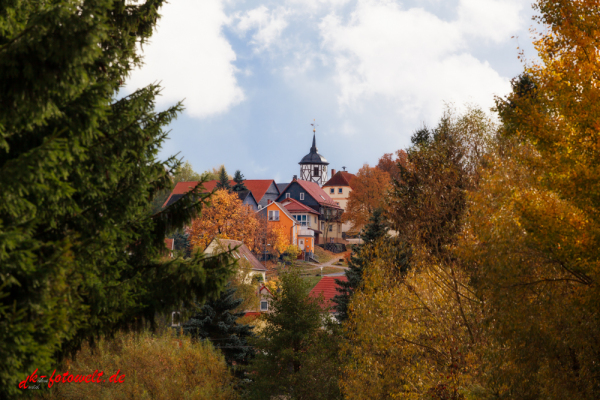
{"x":313,"y":167}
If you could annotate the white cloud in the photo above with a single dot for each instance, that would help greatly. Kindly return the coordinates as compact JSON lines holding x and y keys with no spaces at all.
{"x":268,"y":25}
{"x":493,"y":19}
{"x":409,"y":58}
{"x":193,"y":60}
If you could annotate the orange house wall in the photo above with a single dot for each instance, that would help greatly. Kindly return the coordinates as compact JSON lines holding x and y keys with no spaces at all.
{"x":284,"y":221}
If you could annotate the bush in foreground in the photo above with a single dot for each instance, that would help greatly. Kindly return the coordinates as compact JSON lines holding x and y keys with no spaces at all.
{"x":162,"y":366}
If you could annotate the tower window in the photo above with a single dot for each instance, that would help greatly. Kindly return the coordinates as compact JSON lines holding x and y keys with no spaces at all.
{"x":340,"y":190}
{"x":316,"y":171}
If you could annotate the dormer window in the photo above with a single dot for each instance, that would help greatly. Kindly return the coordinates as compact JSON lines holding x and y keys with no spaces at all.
{"x":301,"y":196}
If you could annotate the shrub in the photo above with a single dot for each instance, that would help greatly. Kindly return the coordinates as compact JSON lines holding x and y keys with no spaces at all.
{"x":161,"y":366}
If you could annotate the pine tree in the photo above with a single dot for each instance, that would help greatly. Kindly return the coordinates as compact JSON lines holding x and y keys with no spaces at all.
{"x":223,"y":180}
{"x":81,"y":254}
{"x":374,"y":230}
{"x":238,"y":178}
{"x":217,"y":322}
{"x":295,"y":358}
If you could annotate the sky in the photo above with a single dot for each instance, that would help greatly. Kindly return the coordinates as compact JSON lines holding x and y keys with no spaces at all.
{"x":253,"y":75}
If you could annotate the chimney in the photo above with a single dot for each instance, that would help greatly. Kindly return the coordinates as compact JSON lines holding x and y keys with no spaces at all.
{"x":269,"y":201}
{"x":295,"y":177}
{"x":332,"y":172}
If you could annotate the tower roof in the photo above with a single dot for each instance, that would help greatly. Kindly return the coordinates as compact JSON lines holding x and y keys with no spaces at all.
{"x":314,"y":157}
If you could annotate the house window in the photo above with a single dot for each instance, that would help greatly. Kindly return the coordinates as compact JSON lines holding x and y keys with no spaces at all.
{"x":340,"y":190}
{"x":175,"y":318}
{"x":316,"y":171}
{"x":259,"y":207}
{"x":315,"y":220}
{"x":301,"y":219}
{"x":301,"y":196}
{"x":287,"y":195}
{"x":264,"y":305}
{"x":332,"y":190}
{"x":274,"y":215}
{"x":330,"y":228}
{"x":337,"y":203}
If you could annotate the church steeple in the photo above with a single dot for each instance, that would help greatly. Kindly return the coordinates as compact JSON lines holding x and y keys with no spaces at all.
{"x":313,"y":167}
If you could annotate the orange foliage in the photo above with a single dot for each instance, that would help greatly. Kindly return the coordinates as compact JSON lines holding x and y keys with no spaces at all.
{"x":388,"y":164}
{"x":369,"y":186}
{"x":226,"y":218}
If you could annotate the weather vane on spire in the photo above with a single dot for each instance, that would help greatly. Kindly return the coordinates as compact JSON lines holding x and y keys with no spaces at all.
{"x":314,"y":125}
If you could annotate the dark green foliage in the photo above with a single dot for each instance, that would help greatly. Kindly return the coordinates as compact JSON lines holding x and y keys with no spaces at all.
{"x":81,"y":255}
{"x":428,"y":198}
{"x":223,"y":180}
{"x":421,"y":137}
{"x":216,"y":322}
{"x":182,"y":243}
{"x":238,"y":178}
{"x":295,"y":358}
{"x":375,"y":230}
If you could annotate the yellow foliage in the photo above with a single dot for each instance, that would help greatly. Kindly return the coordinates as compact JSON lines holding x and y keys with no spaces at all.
{"x":227,"y":218}
{"x":163,"y":366}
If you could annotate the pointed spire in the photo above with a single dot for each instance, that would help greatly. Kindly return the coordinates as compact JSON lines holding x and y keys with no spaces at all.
{"x":313,"y":149}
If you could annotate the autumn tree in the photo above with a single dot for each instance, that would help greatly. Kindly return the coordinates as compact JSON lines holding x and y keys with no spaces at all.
{"x":375,"y":230}
{"x":369,"y":186}
{"x":225,"y":218}
{"x":415,"y":326}
{"x":389,"y":164}
{"x":534,"y":227}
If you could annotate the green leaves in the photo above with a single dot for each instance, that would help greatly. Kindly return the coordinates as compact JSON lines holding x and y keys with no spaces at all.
{"x":80,"y":252}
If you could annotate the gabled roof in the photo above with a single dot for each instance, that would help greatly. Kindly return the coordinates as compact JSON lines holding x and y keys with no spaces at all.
{"x":281,"y":207}
{"x":341,"y":178}
{"x":294,"y":206}
{"x":328,"y":287}
{"x":258,"y":187}
{"x":242,"y":252}
{"x":315,"y":191}
{"x":244,"y":194}
{"x":281,"y":186}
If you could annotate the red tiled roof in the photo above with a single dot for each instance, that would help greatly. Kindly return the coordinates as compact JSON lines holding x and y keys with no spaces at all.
{"x":341,"y":178}
{"x":327,"y":286}
{"x":315,"y":191}
{"x":294,"y":206}
{"x":258,"y":187}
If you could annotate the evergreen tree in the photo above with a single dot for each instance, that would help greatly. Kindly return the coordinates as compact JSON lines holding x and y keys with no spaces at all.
{"x":238,"y":178}
{"x":373,"y":231}
{"x":223,"y":180}
{"x":295,"y":358}
{"x":81,"y":254}
{"x":217,"y":322}
{"x":182,"y":243}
